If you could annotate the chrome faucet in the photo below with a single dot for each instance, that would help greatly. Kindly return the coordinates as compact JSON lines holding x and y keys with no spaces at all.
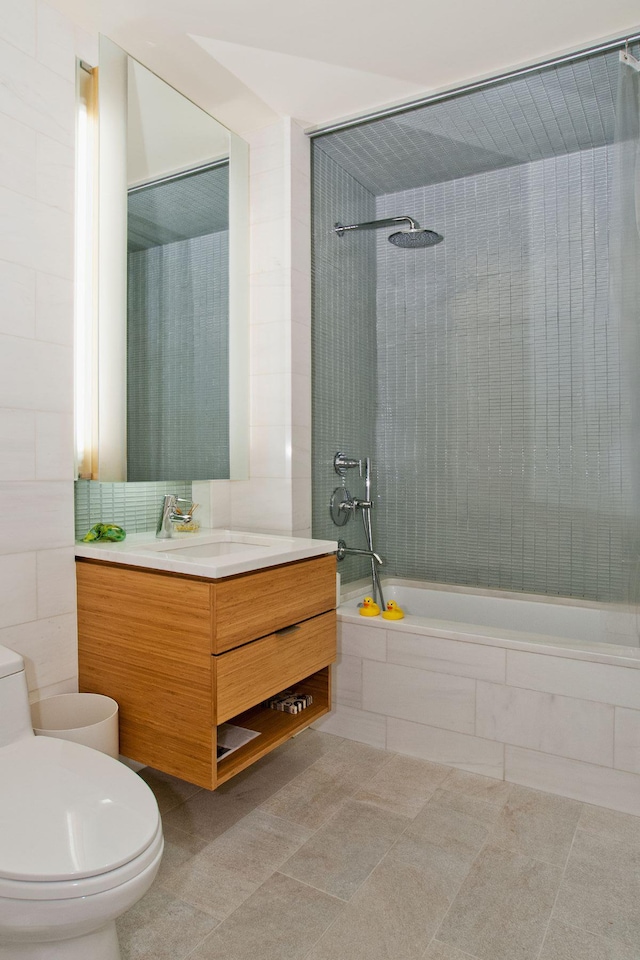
{"x":169,"y":514}
{"x":344,"y":551}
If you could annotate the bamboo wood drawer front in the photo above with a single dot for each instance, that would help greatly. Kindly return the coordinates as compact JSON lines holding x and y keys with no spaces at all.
{"x":255,"y":671}
{"x":146,"y":639}
{"x":256,"y":604}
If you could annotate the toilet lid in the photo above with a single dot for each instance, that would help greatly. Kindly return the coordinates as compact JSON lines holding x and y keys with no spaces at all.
{"x":67,"y":811}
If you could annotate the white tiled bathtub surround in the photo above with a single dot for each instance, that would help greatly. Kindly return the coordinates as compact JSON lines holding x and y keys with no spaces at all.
{"x":544,"y":709}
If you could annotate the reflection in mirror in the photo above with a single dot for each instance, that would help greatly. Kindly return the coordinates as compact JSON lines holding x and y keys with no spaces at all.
{"x":177,"y":327}
{"x":172,"y":324}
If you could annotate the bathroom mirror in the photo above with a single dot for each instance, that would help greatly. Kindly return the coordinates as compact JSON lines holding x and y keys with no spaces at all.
{"x":172,"y":307}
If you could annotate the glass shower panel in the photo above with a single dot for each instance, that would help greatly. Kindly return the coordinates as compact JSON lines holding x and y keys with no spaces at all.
{"x":499,"y":438}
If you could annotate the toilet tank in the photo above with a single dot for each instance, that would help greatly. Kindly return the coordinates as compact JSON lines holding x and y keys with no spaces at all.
{"x":15,"y":718}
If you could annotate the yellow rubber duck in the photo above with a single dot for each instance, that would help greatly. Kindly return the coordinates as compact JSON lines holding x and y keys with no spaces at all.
{"x":393,"y":611}
{"x":369,"y":608}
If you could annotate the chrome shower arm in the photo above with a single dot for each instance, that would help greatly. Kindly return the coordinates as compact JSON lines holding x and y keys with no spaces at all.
{"x":374,"y":224}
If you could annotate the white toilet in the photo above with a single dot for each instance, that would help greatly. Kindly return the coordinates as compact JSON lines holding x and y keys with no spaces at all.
{"x":80,"y":838}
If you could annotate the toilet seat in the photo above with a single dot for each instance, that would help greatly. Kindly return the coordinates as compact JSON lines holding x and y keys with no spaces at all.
{"x":84,"y":886}
{"x":71,"y":819}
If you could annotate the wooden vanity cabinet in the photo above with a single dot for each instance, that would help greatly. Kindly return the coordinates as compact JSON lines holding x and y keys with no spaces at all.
{"x":184,"y":654}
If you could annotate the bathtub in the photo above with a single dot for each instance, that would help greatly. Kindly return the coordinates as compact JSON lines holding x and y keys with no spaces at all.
{"x":538,"y":691}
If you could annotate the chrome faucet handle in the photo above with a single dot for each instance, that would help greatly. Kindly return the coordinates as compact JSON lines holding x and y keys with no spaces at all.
{"x":356,"y":504}
{"x":342,"y":463}
{"x":164,"y":530}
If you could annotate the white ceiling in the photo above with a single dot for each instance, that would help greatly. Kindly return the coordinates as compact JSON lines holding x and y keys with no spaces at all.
{"x":248,"y":61}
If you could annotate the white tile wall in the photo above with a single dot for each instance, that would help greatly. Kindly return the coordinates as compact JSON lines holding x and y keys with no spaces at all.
{"x":580,"y":729}
{"x":41,"y":516}
{"x":19,"y":591}
{"x":362,"y":641}
{"x":262,"y":504}
{"x":18,"y":285}
{"x":571,"y":778}
{"x":54,"y":305}
{"x":18,"y":445}
{"x":440,"y":700}
{"x":550,"y":722}
{"x":55,"y":42}
{"x":56,"y":582}
{"x":277,"y":496}
{"x":572,"y":678}
{"x":35,"y":375}
{"x":627,"y":740}
{"x":54,"y":173}
{"x":447,"y":656}
{"x":37,"y":120}
{"x":347,"y":681}
{"x":54,"y":446}
{"x":354,"y":724}
{"x":49,"y":648}
{"x":214,"y":500}
{"x":19,"y":25}
{"x":17,"y":156}
{"x":444,"y":746}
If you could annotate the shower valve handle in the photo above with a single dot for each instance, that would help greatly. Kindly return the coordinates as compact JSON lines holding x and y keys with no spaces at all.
{"x":342,"y":463}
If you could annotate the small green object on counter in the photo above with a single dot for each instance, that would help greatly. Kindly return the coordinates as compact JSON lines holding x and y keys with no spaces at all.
{"x":105,"y":531}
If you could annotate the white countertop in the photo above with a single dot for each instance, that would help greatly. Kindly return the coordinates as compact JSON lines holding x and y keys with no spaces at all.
{"x":208,"y":553}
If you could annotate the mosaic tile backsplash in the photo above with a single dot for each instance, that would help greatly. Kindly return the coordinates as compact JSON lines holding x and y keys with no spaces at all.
{"x":134,"y":506}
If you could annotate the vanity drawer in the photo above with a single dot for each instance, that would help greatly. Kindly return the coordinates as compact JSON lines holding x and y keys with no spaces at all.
{"x":251,"y":673}
{"x":257,"y":604}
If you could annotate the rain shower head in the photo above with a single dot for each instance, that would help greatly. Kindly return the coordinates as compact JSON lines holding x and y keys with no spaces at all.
{"x":414,"y":236}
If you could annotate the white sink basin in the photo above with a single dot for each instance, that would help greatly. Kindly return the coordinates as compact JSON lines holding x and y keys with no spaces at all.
{"x":212,"y":549}
{"x":208,"y":553}
{"x":220,"y":545}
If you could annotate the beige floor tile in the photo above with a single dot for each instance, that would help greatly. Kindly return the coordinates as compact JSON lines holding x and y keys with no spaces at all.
{"x":403,"y":785}
{"x":537,"y":824}
{"x":342,"y":853}
{"x":162,"y":928}
{"x":168,"y":790}
{"x":281,"y":921}
{"x":601,"y":888}
{"x":319,"y":792}
{"x":449,"y":866}
{"x":178,"y":848}
{"x":610,"y":823}
{"x":208,"y":815}
{"x":360,"y":759}
{"x":227,"y":871}
{"x":568,"y":943}
{"x":443,"y":951}
{"x":491,"y":791}
{"x":276,"y":769}
{"x":227,"y":853}
{"x":394,"y":914}
{"x":503,"y":907}
{"x":456,"y":823}
{"x":311,"y":798}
